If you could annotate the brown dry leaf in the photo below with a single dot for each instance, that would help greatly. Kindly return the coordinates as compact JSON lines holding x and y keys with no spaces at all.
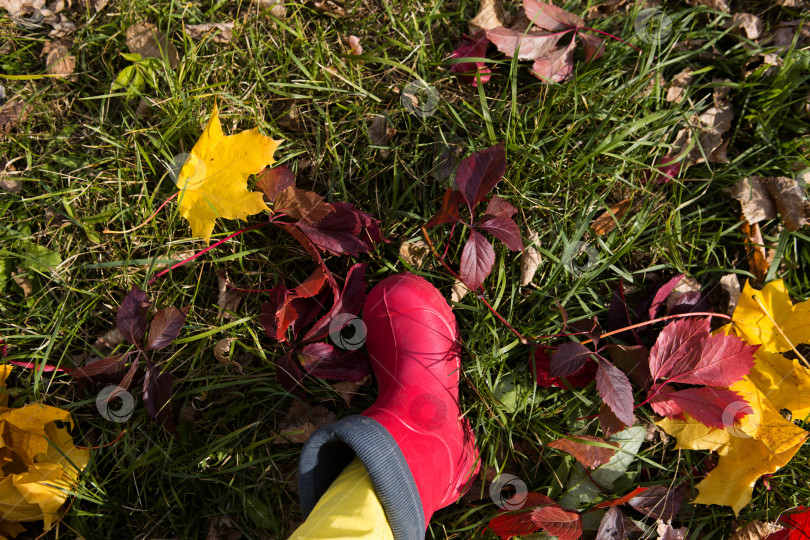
{"x":60,"y":62}
{"x":784,"y":34}
{"x":379,"y":133}
{"x":331,"y":7}
{"x":718,"y":5}
{"x":611,"y":217}
{"x":758,"y":260}
{"x":145,"y":39}
{"x":12,"y":113}
{"x":756,"y":530}
{"x":789,"y":201}
{"x":791,"y":3}
{"x":353,"y":44}
{"x":414,"y":253}
{"x":679,"y":84}
{"x":490,"y":15}
{"x":61,"y":26}
{"x":711,"y":126}
{"x":277,"y":8}
{"x":349,"y":389}
{"x":7,"y":183}
{"x":222,"y":32}
{"x":756,"y":202}
{"x":223,"y":529}
{"x":762,"y":197}
{"x":458,"y":292}
{"x":730,"y":287}
{"x":98,"y":5}
{"x":221,"y":350}
{"x":301,"y":421}
{"x":530,"y":259}
{"x":589,"y":455}
{"x":687,"y":285}
{"x":608,"y":8}
{"x":227,"y":299}
{"x":747,"y":22}
{"x":110,"y":339}
{"x":22,"y":282}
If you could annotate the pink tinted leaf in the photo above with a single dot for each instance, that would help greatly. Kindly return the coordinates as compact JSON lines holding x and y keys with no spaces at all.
{"x":499,"y":207}
{"x":474,"y":47}
{"x":157,"y":390}
{"x":706,"y":404}
{"x":674,"y":344}
{"x":559,"y":522}
{"x":569,"y":358}
{"x":661,"y":294}
{"x":525,"y":46}
{"x":719,"y":360}
{"x":131,"y":317}
{"x":555,"y":66}
{"x":273,"y":181}
{"x":480,"y":172}
{"x":325,"y":361}
{"x":594,"y":46}
{"x":579,"y":379}
{"x":477,"y":259}
{"x":165,"y":327}
{"x":550,"y":17}
{"x":612,"y":525}
{"x":666,"y":171}
{"x":349,"y":301}
{"x":615,"y":390}
{"x":504,"y":229}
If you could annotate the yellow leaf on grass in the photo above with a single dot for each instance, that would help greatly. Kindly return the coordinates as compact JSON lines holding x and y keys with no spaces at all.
{"x":39,"y":464}
{"x":213,"y":180}
{"x":764,"y":440}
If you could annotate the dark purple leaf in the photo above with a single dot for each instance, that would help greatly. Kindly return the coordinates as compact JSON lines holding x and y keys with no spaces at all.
{"x":268,"y":317}
{"x":661,"y":294}
{"x":133,"y":371}
{"x":620,"y":315}
{"x":612,"y":525}
{"x":473,"y":47}
{"x":659,"y":502}
{"x":308,"y":310}
{"x":690,"y":302}
{"x":608,"y":422}
{"x":325,"y":361}
{"x":313,"y":252}
{"x":502,"y":228}
{"x":350,"y":301}
{"x":615,"y":390}
{"x":165,"y":327}
{"x":476,"y":260}
{"x":480,"y":172}
{"x":131,"y":317}
{"x":633,"y":360}
{"x":157,"y":390}
{"x":568,"y":359}
{"x":449,"y":209}
{"x":288,"y":374}
{"x":346,"y":230}
{"x":106,"y":370}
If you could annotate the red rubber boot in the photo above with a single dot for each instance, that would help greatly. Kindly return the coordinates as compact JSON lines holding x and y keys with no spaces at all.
{"x":419,"y":452}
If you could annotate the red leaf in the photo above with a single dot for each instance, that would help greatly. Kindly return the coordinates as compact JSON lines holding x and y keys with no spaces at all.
{"x":589,"y":455}
{"x":131,"y":317}
{"x":313,"y":252}
{"x":480,"y":172}
{"x":549,"y":17}
{"x":273,"y":181}
{"x":473,"y":47}
{"x":526,"y":45}
{"x":594,"y":46}
{"x":661,"y":295}
{"x":304,"y":206}
{"x":268,"y":318}
{"x":285,"y":317}
{"x":621,"y":500}
{"x":580,"y":379}
{"x":664,"y":172}
{"x":350,"y":301}
{"x":504,"y":229}
{"x":312,"y":285}
{"x":307,"y":309}
{"x":288,"y":374}
{"x":608,"y":422}
{"x":557,"y":521}
{"x":660,"y":502}
{"x":476,"y":260}
{"x":165,"y":327}
{"x":612,"y":525}
{"x":705,"y":404}
{"x":556,"y":65}
{"x":499,"y":207}
{"x":513,"y":524}
{"x":614,"y":388}
{"x":674,"y":343}
{"x":346,"y":230}
{"x":568,"y":359}
{"x":449,"y":209}
{"x":3,"y":349}
{"x":797,"y":526}
{"x":157,"y":390}
{"x":325,"y":361}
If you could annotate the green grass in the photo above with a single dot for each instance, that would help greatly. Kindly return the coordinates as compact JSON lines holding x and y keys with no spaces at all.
{"x":90,"y":162}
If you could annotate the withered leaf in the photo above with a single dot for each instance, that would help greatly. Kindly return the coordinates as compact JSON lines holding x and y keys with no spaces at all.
{"x":301,"y":421}
{"x":60,"y":62}
{"x":490,"y":15}
{"x":756,"y":530}
{"x":611,"y":217}
{"x":530,"y":259}
{"x":145,"y":39}
{"x":414,"y":253}
{"x":221,"y":33}
{"x":589,"y":455}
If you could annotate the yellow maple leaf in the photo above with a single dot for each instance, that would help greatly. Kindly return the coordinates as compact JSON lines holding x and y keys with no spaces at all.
{"x":39,"y":465}
{"x":213,"y":180}
{"x":763,"y":441}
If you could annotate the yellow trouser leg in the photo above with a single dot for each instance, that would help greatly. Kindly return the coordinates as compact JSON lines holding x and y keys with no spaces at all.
{"x":349,"y":509}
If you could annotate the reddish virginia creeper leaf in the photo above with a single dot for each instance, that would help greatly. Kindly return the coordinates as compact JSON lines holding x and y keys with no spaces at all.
{"x":313,"y":252}
{"x":674,"y":343}
{"x":157,"y":390}
{"x":480,"y":172}
{"x":660,"y":502}
{"x":549,"y":17}
{"x":308,"y":310}
{"x":304,"y":206}
{"x":473,"y":47}
{"x":555,"y":520}
{"x":285,"y":317}
{"x":594,"y":46}
{"x":267,"y":318}
{"x":557,"y":65}
{"x":590,"y":456}
{"x":526,"y":45}
{"x":705,"y":404}
{"x":633,"y":360}
{"x":797,"y":526}
{"x":568,"y":359}
{"x":719,"y":361}
{"x":165,"y":327}
{"x":513,"y":524}
{"x":660,"y":298}
{"x":288,"y":375}
{"x":131,"y":317}
{"x":312,"y":286}
{"x":612,"y":525}
{"x":502,"y":228}
{"x":346,"y":230}
{"x":499,"y":207}
{"x":449,"y":209}
{"x":106,"y":370}
{"x":615,"y":390}
{"x":476,"y":260}
{"x":579,"y":379}
{"x":621,"y":500}
{"x":325,"y":361}
{"x":608,"y":422}
{"x":273,"y":181}
{"x":350,"y":301}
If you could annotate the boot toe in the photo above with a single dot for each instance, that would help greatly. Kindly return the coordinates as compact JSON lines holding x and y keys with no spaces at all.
{"x":406,"y":293}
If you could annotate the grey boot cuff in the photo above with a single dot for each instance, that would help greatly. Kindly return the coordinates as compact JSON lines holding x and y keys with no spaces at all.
{"x":331,"y":448}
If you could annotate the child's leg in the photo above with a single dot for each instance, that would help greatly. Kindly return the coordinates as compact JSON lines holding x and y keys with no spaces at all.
{"x":350,"y":508}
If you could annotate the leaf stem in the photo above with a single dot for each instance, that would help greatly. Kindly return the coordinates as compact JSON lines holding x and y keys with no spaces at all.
{"x":659,"y":319}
